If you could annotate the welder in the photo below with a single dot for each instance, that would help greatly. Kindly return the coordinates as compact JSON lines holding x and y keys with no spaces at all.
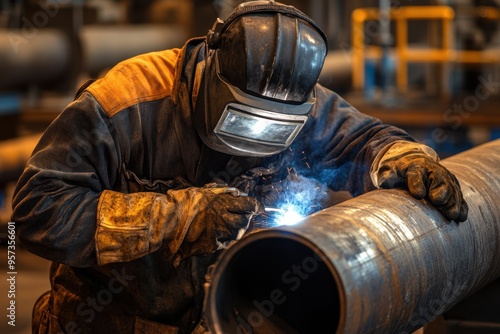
{"x":124,"y":191}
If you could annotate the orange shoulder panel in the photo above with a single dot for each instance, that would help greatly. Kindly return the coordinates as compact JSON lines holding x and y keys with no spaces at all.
{"x":142,"y":78}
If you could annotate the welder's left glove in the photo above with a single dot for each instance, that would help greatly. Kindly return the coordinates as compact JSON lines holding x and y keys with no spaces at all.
{"x":415,"y":167}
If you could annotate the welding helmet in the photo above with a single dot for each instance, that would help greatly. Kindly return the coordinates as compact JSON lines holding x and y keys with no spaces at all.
{"x":257,"y":90}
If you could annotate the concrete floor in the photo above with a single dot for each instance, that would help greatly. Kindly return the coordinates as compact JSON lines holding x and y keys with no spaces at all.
{"x":31,"y":280}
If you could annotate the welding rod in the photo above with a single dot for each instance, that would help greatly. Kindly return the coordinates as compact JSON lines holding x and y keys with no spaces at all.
{"x":270,"y":209}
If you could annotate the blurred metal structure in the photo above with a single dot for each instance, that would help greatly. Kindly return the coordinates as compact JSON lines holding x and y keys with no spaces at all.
{"x":337,"y":71}
{"x":46,"y":55}
{"x":383,"y":262}
{"x":404,"y":53}
{"x":32,"y":58}
{"x":105,"y":46}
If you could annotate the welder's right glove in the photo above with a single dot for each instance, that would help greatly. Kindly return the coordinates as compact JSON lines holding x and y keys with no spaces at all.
{"x":218,"y":217}
{"x":191,"y":221}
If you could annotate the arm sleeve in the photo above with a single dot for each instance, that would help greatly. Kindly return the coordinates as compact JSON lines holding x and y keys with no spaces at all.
{"x":56,"y":197}
{"x":65,"y":207}
{"x":344,"y":143}
{"x":130,"y":226}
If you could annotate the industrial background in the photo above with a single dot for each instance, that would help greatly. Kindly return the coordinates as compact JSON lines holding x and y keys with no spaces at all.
{"x":429,"y":67}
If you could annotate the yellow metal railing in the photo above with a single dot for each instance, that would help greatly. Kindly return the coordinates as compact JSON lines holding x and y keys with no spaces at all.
{"x":403,"y":53}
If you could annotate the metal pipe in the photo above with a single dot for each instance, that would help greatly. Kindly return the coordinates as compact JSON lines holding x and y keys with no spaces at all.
{"x":32,"y":57}
{"x":337,"y":71}
{"x":44,"y":55}
{"x":383,"y":262}
{"x":105,"y":46}
{"x":385,"y":40}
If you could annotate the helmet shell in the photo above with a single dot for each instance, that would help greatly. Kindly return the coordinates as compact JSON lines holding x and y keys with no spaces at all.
{"x":272,"y":55}
{"x":271,"y":50}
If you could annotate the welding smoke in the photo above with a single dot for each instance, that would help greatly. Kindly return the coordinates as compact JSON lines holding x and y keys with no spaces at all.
{"x":302,"y":194}
{"x":225,"y":7}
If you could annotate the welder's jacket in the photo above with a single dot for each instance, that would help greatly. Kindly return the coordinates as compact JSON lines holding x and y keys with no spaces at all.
{"x":131,"y":133}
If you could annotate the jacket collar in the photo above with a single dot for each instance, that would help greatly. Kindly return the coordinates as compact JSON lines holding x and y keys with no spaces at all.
{"x":189,"y":67}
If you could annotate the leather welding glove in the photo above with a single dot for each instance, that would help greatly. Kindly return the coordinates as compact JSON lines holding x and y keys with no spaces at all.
{"x":221,"y":218}
{"x":191,"y":221}
{"x":415,"y":167}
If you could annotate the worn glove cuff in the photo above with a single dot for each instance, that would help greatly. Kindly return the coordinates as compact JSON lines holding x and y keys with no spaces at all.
{"x":396,"y":150}
{"x":129,"y":226}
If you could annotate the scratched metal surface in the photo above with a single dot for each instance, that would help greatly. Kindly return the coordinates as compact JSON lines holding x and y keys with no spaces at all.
{"x":385,"y":262}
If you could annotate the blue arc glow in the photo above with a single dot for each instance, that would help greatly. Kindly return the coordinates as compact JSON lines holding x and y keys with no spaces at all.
{"x":287,"y":215}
